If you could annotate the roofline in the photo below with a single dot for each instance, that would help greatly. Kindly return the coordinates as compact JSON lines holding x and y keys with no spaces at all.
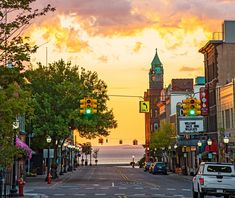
{"x":202,"y":50}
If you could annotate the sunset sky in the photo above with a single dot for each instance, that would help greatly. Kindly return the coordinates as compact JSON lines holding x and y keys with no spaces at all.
{"x":118,"y":38}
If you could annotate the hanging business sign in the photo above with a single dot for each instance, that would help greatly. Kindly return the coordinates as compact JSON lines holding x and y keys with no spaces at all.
{"x":191,"y":124}
{"x":204,"y":101}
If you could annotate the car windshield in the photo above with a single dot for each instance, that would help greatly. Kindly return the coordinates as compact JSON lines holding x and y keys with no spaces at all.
{"x":160,"y":164}
{"x":221,"y":169}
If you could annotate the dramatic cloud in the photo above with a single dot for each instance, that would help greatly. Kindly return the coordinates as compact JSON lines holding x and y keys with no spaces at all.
{"x":178,"y":22}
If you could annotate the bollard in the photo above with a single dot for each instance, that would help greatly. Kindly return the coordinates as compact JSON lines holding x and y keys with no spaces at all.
{"x":21,"y":184}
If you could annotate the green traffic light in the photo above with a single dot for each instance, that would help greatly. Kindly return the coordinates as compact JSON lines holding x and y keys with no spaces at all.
{"x":88,"y":111}
{"x":192,"y":112}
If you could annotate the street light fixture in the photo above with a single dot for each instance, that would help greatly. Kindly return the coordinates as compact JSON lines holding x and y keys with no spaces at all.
{"x":133,"y":161}
{"x":175,"y":146}
{"x":199,"y":144}
{"x":226,"y":141}
{"x":48,"y":156}
{"x":209,"y":142}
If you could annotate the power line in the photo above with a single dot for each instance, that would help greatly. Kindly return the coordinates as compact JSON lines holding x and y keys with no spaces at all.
{"x":127,"y":96}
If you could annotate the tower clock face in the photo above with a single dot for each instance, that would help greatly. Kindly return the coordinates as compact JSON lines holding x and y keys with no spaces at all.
{"x":158,"y":70}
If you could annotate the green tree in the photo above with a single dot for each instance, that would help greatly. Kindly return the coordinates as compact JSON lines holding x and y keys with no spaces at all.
{"x":12,"y":103}
{"x":15,"y":51}
{"x":163,"y":137}
{"x":56,"y":91}
{"x":15,"y":17}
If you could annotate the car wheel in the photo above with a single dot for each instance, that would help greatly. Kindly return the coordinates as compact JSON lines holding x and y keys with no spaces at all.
{"x":200,"y":194}
{"x":195,"y":194}
{"x":226,"y":196}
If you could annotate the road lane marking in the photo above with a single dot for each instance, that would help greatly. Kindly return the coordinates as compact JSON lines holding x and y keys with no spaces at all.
{"x":137,"y":195}
{"x":122,"y":188}
{"x":170,"y":189}
{"x":104,"y":188}
{"x":89,"y":188}
{"x":100,"y":194}
{"x":138,"y":188}
{"x":59,"y":194}
{"x":154,"y":188}
{"x":79,"y":194}
{"x":186,"y":189}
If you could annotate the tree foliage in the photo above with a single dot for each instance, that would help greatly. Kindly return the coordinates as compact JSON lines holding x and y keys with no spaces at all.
{"x":15,"y":51}
{"x":56,"y":91}
{"x":163,"y":137}
{"x":15,"y":17}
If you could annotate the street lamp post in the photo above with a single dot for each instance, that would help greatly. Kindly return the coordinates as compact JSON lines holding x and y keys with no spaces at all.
{"x":169,"y":158}
{"x":133,"y":161}
{"x":175,"y":155}
{"x":226,"y":141}
{"x":48,"y":157}
{"x":209,"y":142}
{"x":199,"y":144}
{"x":70,"y":158}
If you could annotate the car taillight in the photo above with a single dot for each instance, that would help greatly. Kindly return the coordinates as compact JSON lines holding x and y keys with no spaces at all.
{"x":201,"y":181}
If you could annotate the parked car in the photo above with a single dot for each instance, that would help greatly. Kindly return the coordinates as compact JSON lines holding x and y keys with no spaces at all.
{"x":146,"y":166}
{"x":213,"y":178}
{"x":160,"y":167}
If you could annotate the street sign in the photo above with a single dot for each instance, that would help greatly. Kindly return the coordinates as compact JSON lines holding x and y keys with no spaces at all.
{"x":144,"y":106}
{"x":191,"y":124}
{"x":45,"y":153}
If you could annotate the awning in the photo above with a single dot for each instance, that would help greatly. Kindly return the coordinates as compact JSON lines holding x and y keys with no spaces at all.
{"x":24,"y":146}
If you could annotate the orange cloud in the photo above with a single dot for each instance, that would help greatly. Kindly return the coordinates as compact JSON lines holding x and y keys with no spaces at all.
{"x":103,"y":59}
{"x":137,"y":46}
{"x":190,"y":69}
{"x":173,"y":19}
{"x":64,"y":37}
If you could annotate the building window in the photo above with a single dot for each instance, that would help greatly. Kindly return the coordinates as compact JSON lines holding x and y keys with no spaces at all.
{"x":227,"y":118}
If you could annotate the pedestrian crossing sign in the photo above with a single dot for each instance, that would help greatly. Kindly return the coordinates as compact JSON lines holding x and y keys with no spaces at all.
{"x":144,"y":106}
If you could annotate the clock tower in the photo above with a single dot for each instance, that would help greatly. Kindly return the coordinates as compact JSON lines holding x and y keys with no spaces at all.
{"x":155,"y":88}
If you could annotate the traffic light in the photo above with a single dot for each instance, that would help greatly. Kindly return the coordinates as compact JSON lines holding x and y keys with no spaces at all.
{"x":94,"y":105}
{"x":191,"y":111}
{"x":198,"y":107}
{"x":185,"y":106}
{"x":88,"y":106}
{"x":82,"y":105}
{"x":194,"y":107}
{"x":88,"y":109}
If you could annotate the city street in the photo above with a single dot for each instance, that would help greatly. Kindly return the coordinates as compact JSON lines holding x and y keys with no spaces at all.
{"x":111,"y":181}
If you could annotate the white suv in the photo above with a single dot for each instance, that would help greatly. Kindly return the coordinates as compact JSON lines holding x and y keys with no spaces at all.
{"x":213,"y":178}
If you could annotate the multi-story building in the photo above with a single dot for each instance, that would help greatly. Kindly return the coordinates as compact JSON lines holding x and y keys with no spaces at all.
{"x":219,"y":58}
{"x":226,"y":119}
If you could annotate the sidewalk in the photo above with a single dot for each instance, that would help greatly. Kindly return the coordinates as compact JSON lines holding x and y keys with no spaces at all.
{"x":39,"y":181}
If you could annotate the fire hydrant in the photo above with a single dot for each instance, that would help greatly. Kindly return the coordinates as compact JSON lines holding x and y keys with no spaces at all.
{"x":49,"y":177}
{"x":21,"y":184}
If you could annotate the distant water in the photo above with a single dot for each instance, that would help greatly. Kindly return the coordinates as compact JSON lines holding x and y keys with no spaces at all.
{"x":119,"y":154}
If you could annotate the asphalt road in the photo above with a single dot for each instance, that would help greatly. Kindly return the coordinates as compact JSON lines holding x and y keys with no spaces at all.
{"x":111,"y":181}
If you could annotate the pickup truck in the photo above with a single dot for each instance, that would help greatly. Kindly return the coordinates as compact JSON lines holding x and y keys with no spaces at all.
{"x":214,"y":178}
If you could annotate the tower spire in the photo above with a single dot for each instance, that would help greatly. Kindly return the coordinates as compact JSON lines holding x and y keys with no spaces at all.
{"x":156,"y":61}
